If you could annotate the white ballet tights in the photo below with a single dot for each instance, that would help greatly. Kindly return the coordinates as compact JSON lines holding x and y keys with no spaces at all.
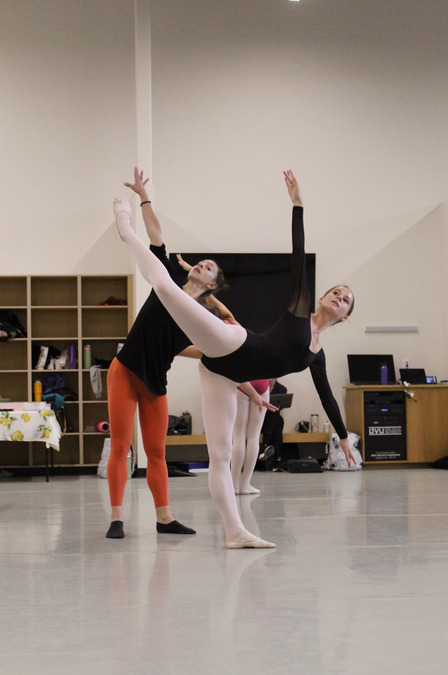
{"x":246,"y":442}
{"x":213,"y":338}
{"x":219,"y":412}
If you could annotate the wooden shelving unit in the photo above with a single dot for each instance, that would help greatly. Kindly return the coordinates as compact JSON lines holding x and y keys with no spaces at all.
{"x":58,"y":311}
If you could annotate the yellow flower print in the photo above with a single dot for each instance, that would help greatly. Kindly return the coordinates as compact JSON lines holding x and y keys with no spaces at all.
{"x":17,"y":435}
{"x":26,"y":417}
{"x":7,"y":419}
{"x":45,"y":413}
{"x":47,"y":433}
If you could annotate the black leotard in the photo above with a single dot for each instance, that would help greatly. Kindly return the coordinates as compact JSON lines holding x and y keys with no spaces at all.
{"x":284,"y":348}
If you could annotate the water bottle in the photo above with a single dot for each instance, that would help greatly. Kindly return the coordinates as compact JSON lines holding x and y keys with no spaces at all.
{"x":86,"y":357}
{"x":187,"y":419}
{"x":383,"y":375}
{"x":314,"y":424}
{"x":38,"y":390}
{"x":72,"y":359}
{"x":326,"y":427}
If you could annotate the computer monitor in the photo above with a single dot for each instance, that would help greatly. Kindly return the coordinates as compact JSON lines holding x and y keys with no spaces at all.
{"x":413,"y":375}
{"x":366,"y":368}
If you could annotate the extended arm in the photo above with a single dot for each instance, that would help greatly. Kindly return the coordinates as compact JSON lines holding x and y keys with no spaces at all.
{"x":150,"y":219}
{"x":319,"y":375}
{"x":300,"y":295}
{"x":224,"y":312}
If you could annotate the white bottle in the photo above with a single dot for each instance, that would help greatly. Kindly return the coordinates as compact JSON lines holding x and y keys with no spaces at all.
{"x":87,"y":356}
{"x":326,"y":427}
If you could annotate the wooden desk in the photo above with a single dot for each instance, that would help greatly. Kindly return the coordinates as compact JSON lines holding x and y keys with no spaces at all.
{"x":194,"y":448}
{"x":426,"y":419}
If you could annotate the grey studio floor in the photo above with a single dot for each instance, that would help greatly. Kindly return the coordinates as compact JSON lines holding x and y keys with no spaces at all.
{"x":358,"y":583}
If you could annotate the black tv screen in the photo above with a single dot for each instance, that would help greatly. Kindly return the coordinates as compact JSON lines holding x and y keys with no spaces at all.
{"x":259,"y":284}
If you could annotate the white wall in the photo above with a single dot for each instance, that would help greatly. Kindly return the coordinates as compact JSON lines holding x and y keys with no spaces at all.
{"x":350,"y":95}
{"x":353,"y":97}
{"x":68,"y":133}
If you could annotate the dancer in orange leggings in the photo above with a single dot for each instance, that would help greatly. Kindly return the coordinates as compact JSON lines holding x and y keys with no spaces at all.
{"x":137,"y":377}
{"x":126,"y":392}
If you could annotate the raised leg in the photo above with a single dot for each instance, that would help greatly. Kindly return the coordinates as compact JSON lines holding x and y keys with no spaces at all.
{"x":206,"y":331}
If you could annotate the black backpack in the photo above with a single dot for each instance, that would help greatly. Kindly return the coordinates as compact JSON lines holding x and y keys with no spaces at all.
{"x":10,"y":326}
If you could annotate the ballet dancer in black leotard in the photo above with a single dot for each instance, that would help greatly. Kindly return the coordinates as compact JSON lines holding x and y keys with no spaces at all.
{"x":233,"y":355}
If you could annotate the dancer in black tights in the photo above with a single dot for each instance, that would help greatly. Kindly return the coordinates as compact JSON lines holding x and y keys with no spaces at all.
{"x":233,"y":354}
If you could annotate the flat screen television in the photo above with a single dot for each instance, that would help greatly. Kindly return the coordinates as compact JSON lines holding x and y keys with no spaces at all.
{"x":259,"y":284}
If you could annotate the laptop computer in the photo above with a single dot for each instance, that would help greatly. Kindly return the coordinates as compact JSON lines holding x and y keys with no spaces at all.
{"x":413,"y":375}
{"x":365,"y":369}
{"x":281,"y":400}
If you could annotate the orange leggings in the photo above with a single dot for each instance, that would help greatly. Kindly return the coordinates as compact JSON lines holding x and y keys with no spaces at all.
{"x":125,"y":391}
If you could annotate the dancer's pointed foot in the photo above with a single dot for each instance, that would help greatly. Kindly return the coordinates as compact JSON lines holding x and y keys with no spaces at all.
{"x":249,"y":490}
{"x":115,"y":530}
{"x":123,"y":213}
{"x":174,"y":528}
{"x":121,"y":205}
{"x":252,"y":542}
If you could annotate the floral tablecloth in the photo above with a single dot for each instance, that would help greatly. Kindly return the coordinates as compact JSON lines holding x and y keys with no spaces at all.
{"x":32,"y":425}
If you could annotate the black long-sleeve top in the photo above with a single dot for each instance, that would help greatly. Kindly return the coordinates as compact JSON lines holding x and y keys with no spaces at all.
{"x":284,"y":348}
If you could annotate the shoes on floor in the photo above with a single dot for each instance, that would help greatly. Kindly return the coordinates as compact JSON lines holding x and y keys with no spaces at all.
{"x":256,"y":542}
{"x":266,"y":453}
{"x":174,"y":528}
{"x":115,"y":530}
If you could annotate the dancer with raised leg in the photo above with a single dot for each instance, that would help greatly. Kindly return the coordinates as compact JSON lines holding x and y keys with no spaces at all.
{"x":137,"y":377}
{"x":233,"y":355}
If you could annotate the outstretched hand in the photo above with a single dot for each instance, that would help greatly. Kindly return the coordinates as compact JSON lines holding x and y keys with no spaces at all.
{"x":268,"y":406}
{"x":261,"y":403}
{"x":345,"y":445}
{"x":293,"y":188}
{"x":255,"y":397}
{"x":139,"y":183}
{"x":185,"y":266}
